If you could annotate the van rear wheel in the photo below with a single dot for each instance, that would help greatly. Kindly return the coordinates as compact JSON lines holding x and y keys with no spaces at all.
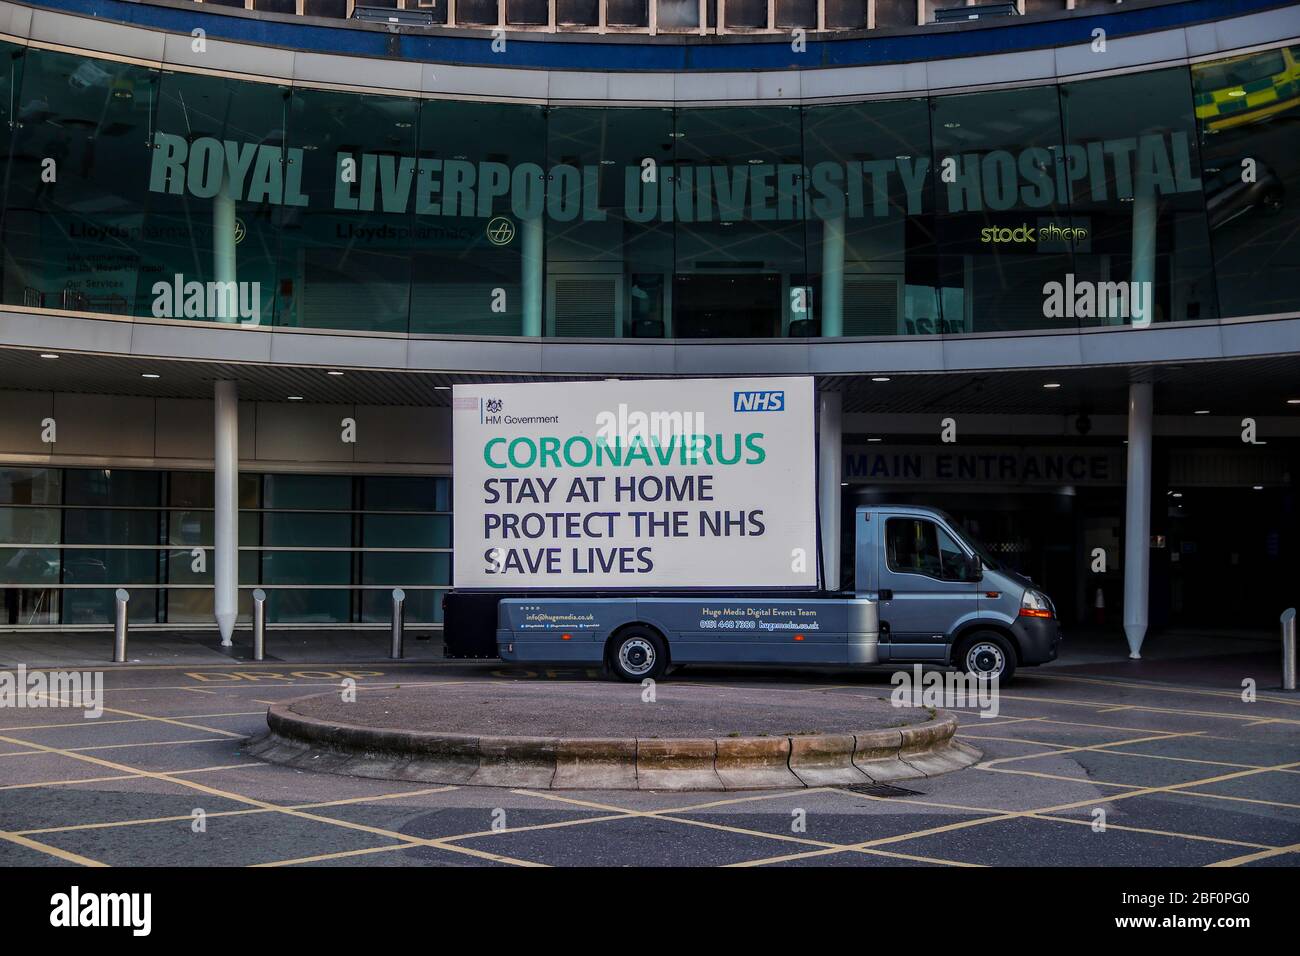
{"x":638,"y":653}
{"x":986,"y":655}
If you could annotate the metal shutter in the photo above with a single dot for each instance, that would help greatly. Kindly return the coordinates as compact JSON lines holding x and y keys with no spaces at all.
{"x":872,"y":304}
{"x":585,"y":305}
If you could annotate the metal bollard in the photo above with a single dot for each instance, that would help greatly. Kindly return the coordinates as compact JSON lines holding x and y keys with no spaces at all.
{"x":259,"y":624}
{"x":399,"y":616}
{"x":1288,"y":649}
{"x":119,"y":626}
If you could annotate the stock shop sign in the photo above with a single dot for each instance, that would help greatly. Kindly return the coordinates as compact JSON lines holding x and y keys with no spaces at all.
{"x":687,"y":483}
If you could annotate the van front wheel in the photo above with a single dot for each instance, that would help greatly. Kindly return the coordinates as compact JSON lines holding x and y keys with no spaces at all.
{"x":986,"y":655}
{"x":638,"y":653}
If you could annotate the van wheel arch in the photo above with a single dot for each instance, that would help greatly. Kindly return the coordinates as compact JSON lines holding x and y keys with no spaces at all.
{"x":622,"y":631}
{"x":968,"y":629}
{"x":968,"y":637}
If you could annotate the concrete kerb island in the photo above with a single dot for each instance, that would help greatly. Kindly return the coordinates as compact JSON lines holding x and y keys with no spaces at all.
{"x":389,"y":741}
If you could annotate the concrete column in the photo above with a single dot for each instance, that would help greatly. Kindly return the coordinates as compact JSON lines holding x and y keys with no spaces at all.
{"x":1137,"y":517}
{"x":530,"y":264}
{"x":223,"y":251}
{"x":829,"y":426}
{"x":225,"y":557}
{"x":832,"y":304}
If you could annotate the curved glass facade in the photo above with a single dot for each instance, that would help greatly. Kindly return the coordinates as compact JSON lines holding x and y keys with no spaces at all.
{"x":1160,"y":196}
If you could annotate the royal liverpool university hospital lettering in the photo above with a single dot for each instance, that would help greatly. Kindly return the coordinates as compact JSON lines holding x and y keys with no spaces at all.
{"x":1036,"y":177}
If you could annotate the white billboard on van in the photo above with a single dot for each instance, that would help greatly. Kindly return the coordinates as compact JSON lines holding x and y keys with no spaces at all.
{"x":682,"y":483}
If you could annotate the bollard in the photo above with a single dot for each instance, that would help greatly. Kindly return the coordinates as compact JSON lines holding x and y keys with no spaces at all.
{"x":119,"y":626}
{"x":399,"y":614}
{"x":259,"y":624}
{"x":1288,"y":649}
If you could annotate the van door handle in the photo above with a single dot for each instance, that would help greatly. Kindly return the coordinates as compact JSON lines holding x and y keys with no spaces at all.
{"x":886,"y":594}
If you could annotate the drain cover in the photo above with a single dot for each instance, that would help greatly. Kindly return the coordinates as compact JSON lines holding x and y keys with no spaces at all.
{"x":883,"y":790}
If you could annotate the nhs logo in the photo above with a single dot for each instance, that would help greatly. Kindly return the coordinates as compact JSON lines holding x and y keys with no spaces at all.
{"x":758,"y":401}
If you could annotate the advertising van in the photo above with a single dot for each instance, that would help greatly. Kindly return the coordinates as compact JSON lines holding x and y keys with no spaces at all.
{"x":640,"y":525}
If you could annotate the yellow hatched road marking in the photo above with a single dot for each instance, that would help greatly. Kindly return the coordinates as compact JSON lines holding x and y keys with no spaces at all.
{"x":1166,"y":688}
{"x":1261,"y":855}
{"x":233,"y":813}
{"x":252,"y":801}
{"x":166,"y":720}
{"x":151,"y":743}
{"x":134,"y":775}
{"x":993,"y":764}
{"x":64,"y":855}
{"x":22,"y":728}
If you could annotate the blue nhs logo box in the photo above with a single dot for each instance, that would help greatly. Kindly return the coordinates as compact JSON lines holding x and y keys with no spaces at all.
{"x":761,"y":401}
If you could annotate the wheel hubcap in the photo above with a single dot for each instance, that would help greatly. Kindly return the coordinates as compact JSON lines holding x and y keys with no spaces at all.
{"x":985,"y":659}
{"x":637,"y":656}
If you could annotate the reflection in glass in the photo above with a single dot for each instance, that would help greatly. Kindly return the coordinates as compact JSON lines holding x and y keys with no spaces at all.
{"x":1003,"y":230}
{"x":1246,"y":112}
{"x":1135,"y":182}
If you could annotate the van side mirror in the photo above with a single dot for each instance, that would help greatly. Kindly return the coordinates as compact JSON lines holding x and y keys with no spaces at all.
{"x":974,"y":568}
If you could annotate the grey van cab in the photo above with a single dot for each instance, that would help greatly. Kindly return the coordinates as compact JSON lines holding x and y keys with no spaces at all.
{"x":943,"y":598}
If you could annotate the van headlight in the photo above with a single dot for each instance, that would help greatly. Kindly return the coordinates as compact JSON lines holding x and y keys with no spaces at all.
{"x":1035,"y":604}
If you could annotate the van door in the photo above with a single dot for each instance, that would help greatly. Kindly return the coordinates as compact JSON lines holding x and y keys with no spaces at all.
{"x":923,"y":586}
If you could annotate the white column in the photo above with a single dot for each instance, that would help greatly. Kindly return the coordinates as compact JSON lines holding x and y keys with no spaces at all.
{"x":829,"y":426}
{"x":530,"y":264}
{"x":225,"y":557}
{"x":832,"y":304}
{"x":1137,"y":517}
{"x":223,"y":251}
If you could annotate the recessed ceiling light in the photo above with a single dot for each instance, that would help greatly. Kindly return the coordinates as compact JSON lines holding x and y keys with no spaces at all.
{"x":295,"y":398}
{"x":1051,"y":385}
{"x":333,"y":372}
{"x":1257,"y":487}
{"x":48,"y":355}
{"x":875,"y":439}
{"x":880,"y":378}
{"x":1178,"y":494}
{"x":1202,"y":411}
{"x":150,"y":375}
{"x":1289,"y":401}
